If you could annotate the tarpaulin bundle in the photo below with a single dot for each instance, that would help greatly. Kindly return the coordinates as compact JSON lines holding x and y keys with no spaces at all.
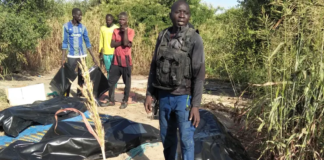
{"x":73,"y":141}
{"x":99,"y":80}
{"x":61,"y":81}
{"x":214,"y":142}
{"x":15,"y":119}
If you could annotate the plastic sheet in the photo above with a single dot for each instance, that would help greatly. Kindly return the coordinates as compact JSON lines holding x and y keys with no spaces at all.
{"x":15,"y":119}
{"x":36,"y":133}
{"x":214,"y":142}
{"x":73,"y":141}
{"x":99,"y":80}
{"x":61,"y":81}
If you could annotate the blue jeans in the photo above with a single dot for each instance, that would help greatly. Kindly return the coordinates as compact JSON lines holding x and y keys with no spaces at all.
{"x":173,"y":114}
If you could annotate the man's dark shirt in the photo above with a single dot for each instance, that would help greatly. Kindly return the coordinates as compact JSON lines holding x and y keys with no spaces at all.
{"x":198,"y":71}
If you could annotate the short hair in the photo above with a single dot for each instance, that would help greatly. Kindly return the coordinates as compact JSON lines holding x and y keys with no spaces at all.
{"x":109,"y":15}
{"x":177,"y":3}
{"x":75,"y":10}
{"x":123,"y":14}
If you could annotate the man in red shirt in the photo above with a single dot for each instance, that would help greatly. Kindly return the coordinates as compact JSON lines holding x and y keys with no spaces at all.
{"x":122,"y":63}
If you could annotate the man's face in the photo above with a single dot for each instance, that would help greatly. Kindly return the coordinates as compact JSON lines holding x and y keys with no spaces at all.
{"x":109,"y":21}
{"x":180,"y":15}
{"x":78,"y":16}
{"x":122,"y":20}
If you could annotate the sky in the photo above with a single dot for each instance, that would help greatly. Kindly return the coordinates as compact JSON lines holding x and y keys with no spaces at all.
{"x":222,"y":3}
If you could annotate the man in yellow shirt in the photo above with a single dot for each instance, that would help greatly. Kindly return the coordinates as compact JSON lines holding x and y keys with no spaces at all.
{"x":106,"y":52}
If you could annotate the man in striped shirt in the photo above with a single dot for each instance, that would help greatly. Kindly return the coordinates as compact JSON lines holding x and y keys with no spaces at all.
{"x":76,"y":43}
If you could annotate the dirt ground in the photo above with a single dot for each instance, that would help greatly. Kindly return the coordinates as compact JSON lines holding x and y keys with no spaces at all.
{"x":216,"y":92}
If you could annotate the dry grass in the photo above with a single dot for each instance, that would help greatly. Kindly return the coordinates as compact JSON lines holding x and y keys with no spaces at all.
{"x":290,"y":115}
{"x":92,"y":106}
{"x":3,"y":102}
{"x":49,"y":54}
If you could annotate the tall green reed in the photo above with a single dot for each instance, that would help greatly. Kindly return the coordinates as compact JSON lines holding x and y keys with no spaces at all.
{"x":290,"y":114}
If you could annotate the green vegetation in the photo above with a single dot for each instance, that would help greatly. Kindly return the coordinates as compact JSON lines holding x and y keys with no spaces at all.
{"x":281,"y":42}
{"x":290,"y":40}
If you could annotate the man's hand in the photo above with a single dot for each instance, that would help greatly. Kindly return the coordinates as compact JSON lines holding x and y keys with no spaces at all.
{"x":148,"y":104}
{"x":123,"y":27}
{"x":63,"y":57}
{"x":95,"y":62}
{"x":100,"y":56}
{"x":101,"y":60}
{"x":194,"y":116}
{"x":93,"y":57}
{"x":63,"y":62}
{"x":129,"y":44}
{"x":122,"y":30}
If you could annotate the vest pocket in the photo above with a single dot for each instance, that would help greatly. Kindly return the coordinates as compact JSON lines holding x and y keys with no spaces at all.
{"x":163,"y":70}
{"x":175,"y":73}
{"x":187,"y":68}
{"x":166,"y":66}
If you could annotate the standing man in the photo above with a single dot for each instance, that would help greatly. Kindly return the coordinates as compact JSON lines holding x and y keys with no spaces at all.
{"x":76,"y":42}
{"x":176,"y":77}
{"x":105,"y":50}
{"x":122,"y":40}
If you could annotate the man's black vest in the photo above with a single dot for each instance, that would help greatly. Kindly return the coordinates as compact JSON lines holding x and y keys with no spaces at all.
{"x":173,"y":60}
